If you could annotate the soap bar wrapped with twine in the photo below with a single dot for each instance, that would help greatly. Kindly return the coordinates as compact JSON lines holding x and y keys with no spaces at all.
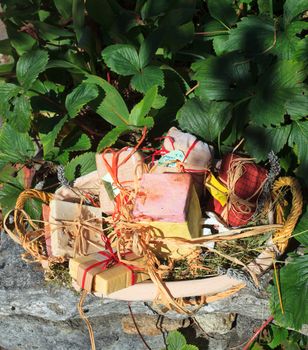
{"x":241,"y":182}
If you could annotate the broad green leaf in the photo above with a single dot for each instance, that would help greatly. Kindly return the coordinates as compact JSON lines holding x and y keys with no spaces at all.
{"x":122,"y":59}
{"x":64,"y":7}
{"x":9,"y":194}
{"x":148,"y":47}
{"x":175,"y":340}
{"x":15,"y":147}
{"x":299,"y":139}
{"x":29,"y":66}
{"x":78,"y":13}
{"x":65,"y":65}
{"x":275,"y":89}
{"x":153,"y":8}
{"x":189,"y":347}
{"x":146,"y":78}
{"x":20,"y":41}
{"x":113,"y":108}
{"x":7,"y":92}
{"x":222,"y":10}
{"x":111,"y":137}
{"x":175,"y":38}
{"x":289,"y":45}
{"x":50,"y":32}
{"x":142,"y":108}
{"x":301,"y":229}
{"x":20,"y":117}
{"x":81,"y":143}
{"x":223,"y":78}
{"x":206,"y":119}
{"x":297,"y":106}
{"x":273,"y":139}
{"x":79,"y":97}
{"x":159,"y":102}
{"x":253,"y":35}
{"x":279,"y":336}
{"x":294,"y":292}
{"x":96,"y":8}
{"x":292,"y":9}
{"x":80,"y":165}
{"x":48,"y":136}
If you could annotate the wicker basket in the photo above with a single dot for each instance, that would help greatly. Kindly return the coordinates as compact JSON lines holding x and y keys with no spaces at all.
{"x":210,"y":289}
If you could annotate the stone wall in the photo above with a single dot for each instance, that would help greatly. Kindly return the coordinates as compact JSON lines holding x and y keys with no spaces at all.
{"x":38,"y":315}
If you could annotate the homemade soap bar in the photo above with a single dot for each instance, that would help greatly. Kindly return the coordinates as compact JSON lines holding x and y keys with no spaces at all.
{"x":249,"y":182}
{"x":127,"y":173}
{"x":193,"y":155}
{"x":94,"y":274}
{"x":87,"y":184}
{"x":63,"y":218}
{"x":169,"y":202}
{"x":197,"y":154}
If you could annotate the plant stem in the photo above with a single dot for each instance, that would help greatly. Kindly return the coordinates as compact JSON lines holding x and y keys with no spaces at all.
{"x":253,"y":338}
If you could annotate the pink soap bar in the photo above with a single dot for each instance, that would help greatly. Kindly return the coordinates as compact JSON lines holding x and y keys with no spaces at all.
{"x":163,"y":197}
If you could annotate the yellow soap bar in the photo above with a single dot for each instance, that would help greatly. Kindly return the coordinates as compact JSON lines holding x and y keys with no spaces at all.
{"x":110,"y":280}
{"x":187,"y":229}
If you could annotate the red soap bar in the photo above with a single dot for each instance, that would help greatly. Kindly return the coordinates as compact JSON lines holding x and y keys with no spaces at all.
{"x":248,"y":187}
{"x":163,"y":197}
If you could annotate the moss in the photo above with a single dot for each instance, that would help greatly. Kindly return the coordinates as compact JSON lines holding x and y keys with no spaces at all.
{"x":59,"y":274}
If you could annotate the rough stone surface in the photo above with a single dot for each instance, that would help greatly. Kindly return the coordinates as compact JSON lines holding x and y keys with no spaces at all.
{"x":38,"y":315}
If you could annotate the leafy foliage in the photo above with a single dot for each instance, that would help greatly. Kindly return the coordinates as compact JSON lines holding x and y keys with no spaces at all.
{"x":294,"y":288}
{"x":177,"y":341}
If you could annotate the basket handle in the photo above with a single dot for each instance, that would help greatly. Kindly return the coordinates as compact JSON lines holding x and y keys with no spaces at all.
{"x":20,"y":203}
{"x":281,"y":236}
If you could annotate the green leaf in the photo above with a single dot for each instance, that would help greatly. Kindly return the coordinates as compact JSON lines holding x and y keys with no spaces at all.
{"x":148,"y":47}
{"x":222,"y":10}
{"x":298,"y":138}
{"x":20,"y":117}
{"x":189,"y":347}
{"x":80,"y":165}
{"x":175,"y":38}
{"x":122,"y":59}
{"x":7,"y":92}
{"x":82,"y":143}
{"x":223,"y":78}
{"x":273,"y":139}
{"x":20,"y":41}
{"x":279,"y":336}
{"x":29,"y":66}
{"x":64,"y":7}
{"x":67,"y":65}
{"x":292,"y":9}
{"x":289,"y":44}
{"x":206,"y":119}
{"x":78,"y":13}
{"x":111,"y":137}
{"x":253,"y":35}
{"x":48,"y":136}
{"x":9,"y":194}
{"x":15,"y":147}
{"x":142,"y":108}
{"x":145,"y":79}
{"x":300,"y":231}
{"x":274,"y":91}
{"x":294,"y":292}
{"x":175,"y":340}
{"x":113,"y":108}
{"x":79,"y":97}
